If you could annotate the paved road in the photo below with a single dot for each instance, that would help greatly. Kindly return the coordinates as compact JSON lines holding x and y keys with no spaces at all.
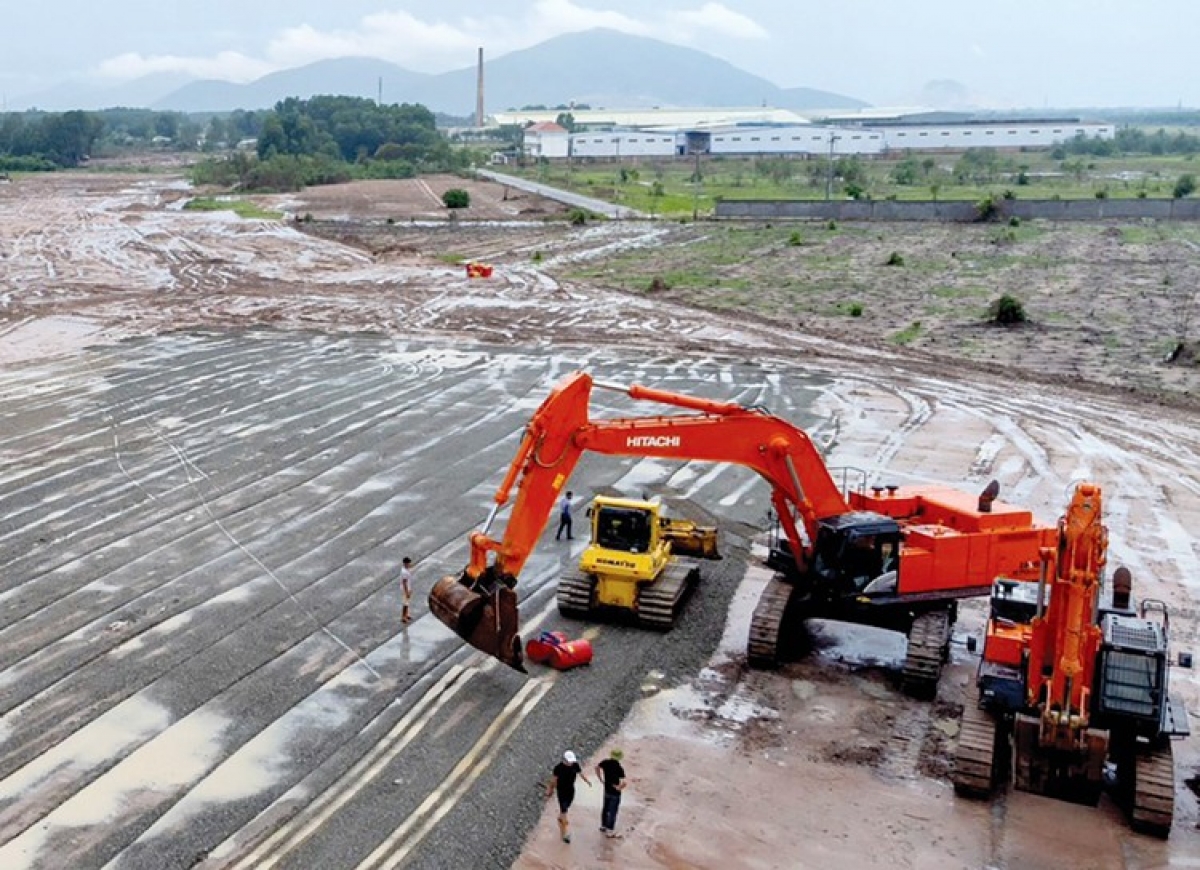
{"x":599,"y":206}
{"x":200,"y":649}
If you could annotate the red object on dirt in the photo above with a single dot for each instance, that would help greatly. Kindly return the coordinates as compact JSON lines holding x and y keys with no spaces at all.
{"x":553,"y":649}
{"x":479,"y":270}
{"x":538,"y":648}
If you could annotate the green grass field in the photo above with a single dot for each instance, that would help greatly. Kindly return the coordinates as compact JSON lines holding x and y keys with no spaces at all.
{"x":240,"y":207}
{"x":669,"y":187}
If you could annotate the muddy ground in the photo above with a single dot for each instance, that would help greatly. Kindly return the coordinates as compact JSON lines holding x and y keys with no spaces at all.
{"x":824,"y":763}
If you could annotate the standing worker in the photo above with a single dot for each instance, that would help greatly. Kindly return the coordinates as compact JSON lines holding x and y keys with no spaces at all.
{"x":406,"y":588}
{"x":563,"y":781}
{"x":612,"y":774}
{"x":564,"y":516}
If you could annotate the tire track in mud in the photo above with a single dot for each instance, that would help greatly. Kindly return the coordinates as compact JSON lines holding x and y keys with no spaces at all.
{"x":76,"y":713}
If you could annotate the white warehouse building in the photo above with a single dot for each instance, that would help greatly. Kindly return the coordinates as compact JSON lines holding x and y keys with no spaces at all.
{"x":1003,"y":134}
{"x":868,"y":139}
{"x":807,"y":140}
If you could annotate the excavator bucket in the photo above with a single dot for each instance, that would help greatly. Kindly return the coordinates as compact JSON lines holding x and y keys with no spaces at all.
{"x":486,"y":619}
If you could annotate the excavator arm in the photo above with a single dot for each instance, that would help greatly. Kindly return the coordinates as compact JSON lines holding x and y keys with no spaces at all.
{"x":480,"y":604}
{"x":1065,"y":636}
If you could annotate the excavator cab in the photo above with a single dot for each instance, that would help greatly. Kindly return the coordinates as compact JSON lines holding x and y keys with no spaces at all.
{"x":856,"y":553}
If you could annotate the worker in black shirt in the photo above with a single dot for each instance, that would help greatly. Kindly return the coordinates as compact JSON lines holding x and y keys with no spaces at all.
{"x":563,"y":781}
{"x":612,"y":774}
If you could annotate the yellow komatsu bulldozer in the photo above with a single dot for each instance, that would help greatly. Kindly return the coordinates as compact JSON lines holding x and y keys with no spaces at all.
{"x":639,"y":562}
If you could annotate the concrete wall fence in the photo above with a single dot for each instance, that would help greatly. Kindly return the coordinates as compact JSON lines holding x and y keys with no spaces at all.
{"x":964,"y":212}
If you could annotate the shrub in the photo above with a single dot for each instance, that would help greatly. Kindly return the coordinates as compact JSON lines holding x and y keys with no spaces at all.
{"x":856,"y":309}
{"x":895,"y":259}
{"x":657,"y":285}
{"x":795,"y":239}
{"x":987,"y":209}
{"x":456,"y":197}
{"x":1185,"y":186}
{"x":1014,"y":221}
{"x":577,"y":217}
{"x":1007,"y":311}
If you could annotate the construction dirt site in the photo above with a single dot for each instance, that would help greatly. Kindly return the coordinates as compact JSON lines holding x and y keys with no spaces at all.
{"x":822,"y":763}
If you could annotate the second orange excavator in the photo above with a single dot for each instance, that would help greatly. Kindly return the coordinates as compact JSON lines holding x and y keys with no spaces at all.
{"x":894,"y":557}
{"x":1073,"y":684}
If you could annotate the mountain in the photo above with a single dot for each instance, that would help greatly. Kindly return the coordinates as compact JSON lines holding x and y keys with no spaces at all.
{"x":597,"y":67}
{"x":602,"y":68}
{"x":345,"y":76}
{"x":135,"y":94}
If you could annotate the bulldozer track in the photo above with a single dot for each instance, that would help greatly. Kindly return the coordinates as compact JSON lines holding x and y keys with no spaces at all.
{"x":928,"y":641}
{"x":766,"y":625}
{"x":575,"y":594}
{"x":1154,"y":792}
{"x":975,"y":756}
{"x":659,"y":603}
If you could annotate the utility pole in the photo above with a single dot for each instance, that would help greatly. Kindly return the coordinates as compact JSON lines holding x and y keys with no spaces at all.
{"x":617,"y":178}
{"x":696,"y":188}
{"x":829,"y":176}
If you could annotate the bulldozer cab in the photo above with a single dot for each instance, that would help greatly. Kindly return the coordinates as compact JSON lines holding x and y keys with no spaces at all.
{"x":629,"y":529}
{"x":626,"y":539}
{"x":627,"y":549}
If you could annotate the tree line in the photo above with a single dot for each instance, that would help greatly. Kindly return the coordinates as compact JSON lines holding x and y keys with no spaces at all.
{"x":38,"y":141}
{"x":327,"y":139}
{"x":297,"y":143}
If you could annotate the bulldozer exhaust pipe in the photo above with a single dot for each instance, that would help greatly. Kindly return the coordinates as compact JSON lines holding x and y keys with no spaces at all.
{"x":483,"y":614}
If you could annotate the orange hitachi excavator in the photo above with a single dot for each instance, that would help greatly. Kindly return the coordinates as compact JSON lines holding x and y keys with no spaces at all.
{"x":896,"y":557}
{"x":1077,"y":682}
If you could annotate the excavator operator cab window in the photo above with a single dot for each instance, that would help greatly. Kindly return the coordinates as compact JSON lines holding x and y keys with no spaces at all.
{"x":861,"y":560}
{"x":857,"y":558}
{"x":623,"y":529}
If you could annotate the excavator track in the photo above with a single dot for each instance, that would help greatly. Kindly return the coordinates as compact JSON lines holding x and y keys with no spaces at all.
{"x":1154,"y":792}
{"x":766,"y":625}
{"x":575,"y":594}
{"x":928,"y":643}
{"x":974,"y":773}
{"x":659,"y":603}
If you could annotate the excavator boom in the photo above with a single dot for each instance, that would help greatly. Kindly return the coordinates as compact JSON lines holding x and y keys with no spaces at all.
{"x":480,"y":605}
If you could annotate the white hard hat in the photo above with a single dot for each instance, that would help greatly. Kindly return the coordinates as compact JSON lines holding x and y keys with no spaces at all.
{"x":569,"y":757}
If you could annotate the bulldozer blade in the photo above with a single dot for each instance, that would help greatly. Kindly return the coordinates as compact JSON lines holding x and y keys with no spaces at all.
{"x":486,"y":620}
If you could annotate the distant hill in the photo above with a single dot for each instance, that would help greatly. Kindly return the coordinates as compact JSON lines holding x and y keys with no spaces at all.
{"x":137,"y":94}
{"x":602,"y":68}
{"x":346,"y":76}
{"x":607,"y":69}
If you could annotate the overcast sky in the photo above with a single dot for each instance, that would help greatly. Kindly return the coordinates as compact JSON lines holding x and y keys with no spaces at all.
{"x":1003,"y":53}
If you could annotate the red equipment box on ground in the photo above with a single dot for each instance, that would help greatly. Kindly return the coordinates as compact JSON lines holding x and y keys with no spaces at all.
{"x":553,"y":649}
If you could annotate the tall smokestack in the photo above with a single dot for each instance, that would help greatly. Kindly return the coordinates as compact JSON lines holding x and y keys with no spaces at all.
{"x":479,"y":92}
